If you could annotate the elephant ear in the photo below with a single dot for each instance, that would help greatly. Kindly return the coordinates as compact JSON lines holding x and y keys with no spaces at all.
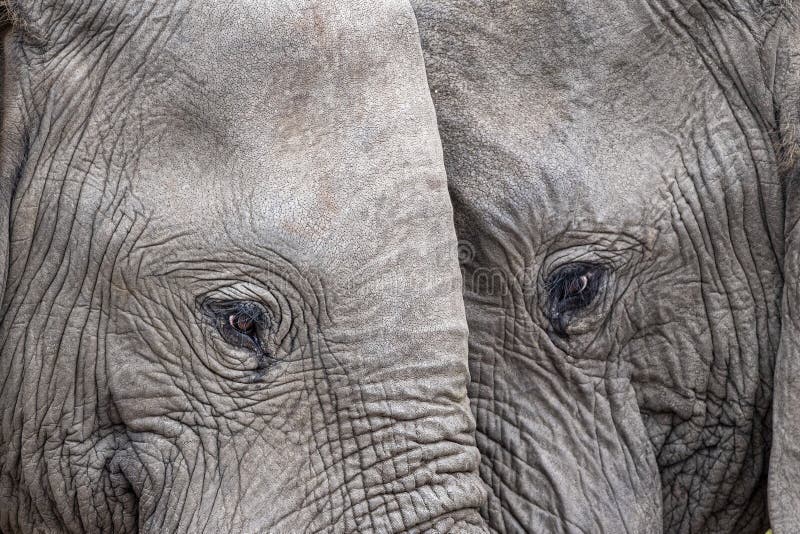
{"x":7,"y":180}
{"x":21,"y":21}
{"x":784,"y":473}
{"x":5,"y":206}
{"x":6,"y":190}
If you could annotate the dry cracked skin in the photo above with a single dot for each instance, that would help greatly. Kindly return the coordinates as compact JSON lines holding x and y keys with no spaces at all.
{"x":438,"y":266}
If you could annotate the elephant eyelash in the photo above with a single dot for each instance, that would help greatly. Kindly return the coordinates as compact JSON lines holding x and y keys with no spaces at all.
{"x":570,"y":289}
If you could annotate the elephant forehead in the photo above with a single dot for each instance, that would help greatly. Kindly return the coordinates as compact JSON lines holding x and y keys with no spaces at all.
{"x":283,"y":125}
{"x":295,"y":62}
{"x":349,"y":210}
{"x":586,"y":174}
{"x":596,"y":111}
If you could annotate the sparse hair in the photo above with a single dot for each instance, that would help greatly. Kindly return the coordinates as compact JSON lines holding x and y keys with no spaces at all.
{"x":788,"y":149}
{"x":8,"y":15}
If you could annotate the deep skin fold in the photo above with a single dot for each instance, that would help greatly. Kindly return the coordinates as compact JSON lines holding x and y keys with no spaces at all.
{"x":650,"y":138}
{"x":183,"y":152}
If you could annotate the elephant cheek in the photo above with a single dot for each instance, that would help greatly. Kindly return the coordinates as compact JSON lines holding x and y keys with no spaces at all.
{"x":568,"y":453}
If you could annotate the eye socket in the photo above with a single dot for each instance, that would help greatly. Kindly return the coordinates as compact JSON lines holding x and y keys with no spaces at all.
{"x":242,"y":324}
{"x":570,"y":289}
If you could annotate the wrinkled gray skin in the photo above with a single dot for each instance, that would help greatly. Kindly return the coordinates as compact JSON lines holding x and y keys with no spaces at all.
{"x":651,"y":140}
{"x":160,"y":156}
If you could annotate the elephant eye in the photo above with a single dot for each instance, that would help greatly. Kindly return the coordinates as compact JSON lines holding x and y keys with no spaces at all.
{"x":570,"y":289}
{"x":241,"y":324}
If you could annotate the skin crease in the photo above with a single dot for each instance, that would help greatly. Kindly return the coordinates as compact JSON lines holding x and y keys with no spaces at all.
{"x":639,"y":137}
{"x":784,"y":492}
{"x":283,"y":153}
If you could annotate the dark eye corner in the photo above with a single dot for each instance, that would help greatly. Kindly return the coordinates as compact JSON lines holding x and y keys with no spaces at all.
{"x":242,"y":324}
{"x":569,"y":289}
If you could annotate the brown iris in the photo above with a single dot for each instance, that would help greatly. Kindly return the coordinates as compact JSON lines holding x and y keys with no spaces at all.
{"x":577,"y":285}
{"x":242,"y":322}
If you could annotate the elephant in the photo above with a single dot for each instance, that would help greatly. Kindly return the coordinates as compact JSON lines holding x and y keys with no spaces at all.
{"x":231,"y":292}
{"x":624,"y":176}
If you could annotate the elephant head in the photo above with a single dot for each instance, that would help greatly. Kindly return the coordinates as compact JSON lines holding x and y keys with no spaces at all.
{"x":620,"y":173}
{"x":233,"y":298}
